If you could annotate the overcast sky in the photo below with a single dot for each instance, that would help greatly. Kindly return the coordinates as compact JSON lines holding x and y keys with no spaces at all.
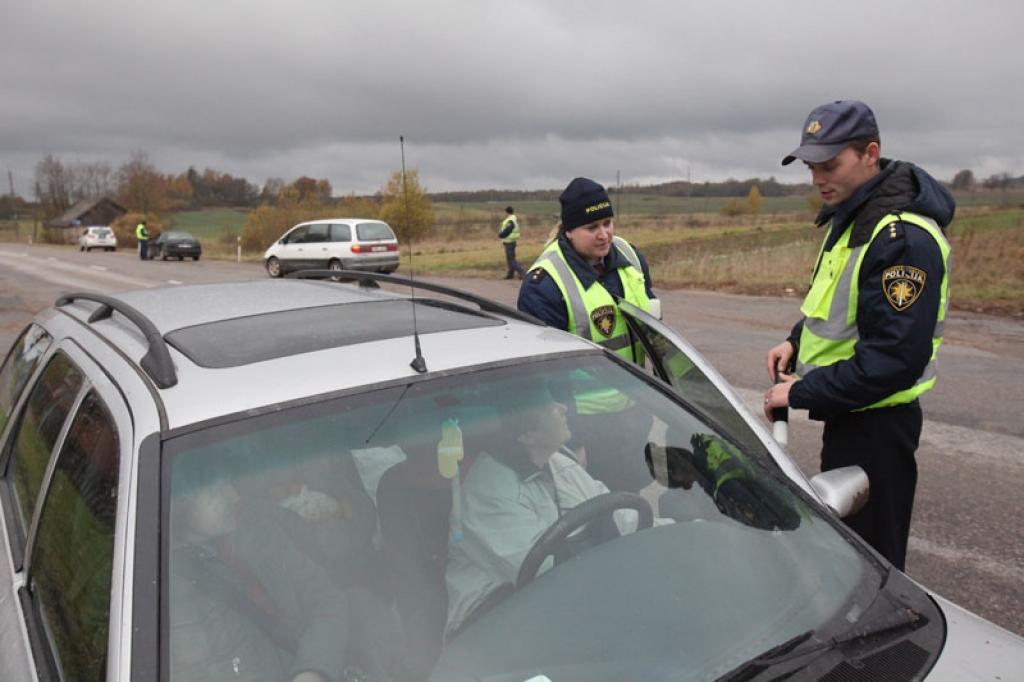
{"x":517,"y":94}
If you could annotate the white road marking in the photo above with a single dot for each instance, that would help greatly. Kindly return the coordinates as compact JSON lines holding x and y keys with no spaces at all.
{"x":173,"y":281}
{"x":98,"y":267}
{"x":50,"y":268}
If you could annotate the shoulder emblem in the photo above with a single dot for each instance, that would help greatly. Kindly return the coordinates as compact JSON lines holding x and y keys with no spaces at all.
{"x":537,"y":274}
{"x":903,"y":285}
{"x":604,"y":319}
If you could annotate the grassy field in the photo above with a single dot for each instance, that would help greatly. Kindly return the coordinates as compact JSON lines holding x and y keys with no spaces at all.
{"x":767,"y":254}
{"x":688,"y":243}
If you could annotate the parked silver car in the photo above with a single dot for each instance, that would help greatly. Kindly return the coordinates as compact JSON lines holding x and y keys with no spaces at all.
{"x":294,"y":479}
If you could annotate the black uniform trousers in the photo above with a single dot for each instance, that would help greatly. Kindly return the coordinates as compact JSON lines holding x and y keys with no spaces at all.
{"x":514,"y":268}
{"x":881,"y":441}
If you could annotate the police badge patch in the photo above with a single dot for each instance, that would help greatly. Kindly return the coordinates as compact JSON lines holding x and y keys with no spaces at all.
{"x":604,"y":319}
{"x":903,"y":285}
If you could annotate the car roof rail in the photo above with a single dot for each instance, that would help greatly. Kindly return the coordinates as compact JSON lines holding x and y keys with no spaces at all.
{"x":371,"y":278}
{"x":157,"y":360}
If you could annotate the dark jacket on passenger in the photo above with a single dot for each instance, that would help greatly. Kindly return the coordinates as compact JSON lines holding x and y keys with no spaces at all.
{"x":539,"y":294}
{"x":893,"y":347}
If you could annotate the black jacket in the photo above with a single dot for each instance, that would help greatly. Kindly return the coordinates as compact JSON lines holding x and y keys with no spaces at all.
{"x":540,"y":296}
{"x":894,"y":347}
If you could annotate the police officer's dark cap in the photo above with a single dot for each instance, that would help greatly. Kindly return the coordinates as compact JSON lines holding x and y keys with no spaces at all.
{"x":509,"y":209}
{"x":583,"y":202}
{"x":830,"y":128}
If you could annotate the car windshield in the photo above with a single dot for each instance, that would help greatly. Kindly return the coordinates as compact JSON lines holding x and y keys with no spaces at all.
{"x":177,"y":235}
{"x":100,"y":231}
{"x":563,"y":516}
{"x":367,"y":232}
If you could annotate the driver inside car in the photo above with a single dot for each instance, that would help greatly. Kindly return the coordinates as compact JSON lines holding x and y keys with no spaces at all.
{"x":514,"y":492}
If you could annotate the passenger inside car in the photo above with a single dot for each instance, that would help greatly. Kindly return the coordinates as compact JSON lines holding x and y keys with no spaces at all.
{"x":246,"y":599}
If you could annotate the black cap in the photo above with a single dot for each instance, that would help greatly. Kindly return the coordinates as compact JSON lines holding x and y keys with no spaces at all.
{"x":583,"y":202}
{"x":830,"y":127}
{"x":509,"y":209}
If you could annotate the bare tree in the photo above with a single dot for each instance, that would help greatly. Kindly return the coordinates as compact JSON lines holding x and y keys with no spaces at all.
{"x":53,"y":186}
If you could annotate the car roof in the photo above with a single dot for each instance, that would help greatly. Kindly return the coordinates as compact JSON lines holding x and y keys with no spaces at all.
{"x":239,"y":346}
{"x":325,"y":221}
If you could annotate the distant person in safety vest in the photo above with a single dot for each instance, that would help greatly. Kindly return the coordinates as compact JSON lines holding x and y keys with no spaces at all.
{"x":872,"y":321}
{"x":142,"y":236}
{"x":509,"y":236}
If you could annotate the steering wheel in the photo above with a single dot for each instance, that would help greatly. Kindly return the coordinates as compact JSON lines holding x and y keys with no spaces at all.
{"x":554,"y":537}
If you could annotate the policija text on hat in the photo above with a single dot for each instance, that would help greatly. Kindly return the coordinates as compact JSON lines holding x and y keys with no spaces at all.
{"x":865,"y":349}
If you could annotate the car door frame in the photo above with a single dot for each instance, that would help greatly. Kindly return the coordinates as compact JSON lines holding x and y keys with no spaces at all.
{"x":39,"y":653}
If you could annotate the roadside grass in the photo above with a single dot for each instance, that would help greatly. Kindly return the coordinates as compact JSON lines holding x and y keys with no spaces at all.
{"x":768,"y":254}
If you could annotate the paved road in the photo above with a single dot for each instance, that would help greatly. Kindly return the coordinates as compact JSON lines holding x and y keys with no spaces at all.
{"x":966,"y":540}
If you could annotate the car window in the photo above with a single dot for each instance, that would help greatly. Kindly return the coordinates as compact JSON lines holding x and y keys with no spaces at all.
{"x":317,"y":234}
{"x":373,"y":231}
{"x":72,"y":561}
{"x":48,"y":406}
{"x":445,"y":485}
{"x":341,"y":233}
{"x":298,"y":235}
{"x":20,"y":363}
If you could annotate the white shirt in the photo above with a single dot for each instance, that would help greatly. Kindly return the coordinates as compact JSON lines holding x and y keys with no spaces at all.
{"x":503,"y":514}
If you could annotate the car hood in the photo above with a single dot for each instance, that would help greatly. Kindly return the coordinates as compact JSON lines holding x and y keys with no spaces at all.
{"x":975,"y":649}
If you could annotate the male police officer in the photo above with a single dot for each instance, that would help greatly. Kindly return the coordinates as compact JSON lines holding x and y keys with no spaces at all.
{"x":873,"y":317}
{"x":509,"y":235}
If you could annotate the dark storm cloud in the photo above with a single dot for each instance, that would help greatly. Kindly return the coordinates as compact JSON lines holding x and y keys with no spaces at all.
{"x":501,"y":94}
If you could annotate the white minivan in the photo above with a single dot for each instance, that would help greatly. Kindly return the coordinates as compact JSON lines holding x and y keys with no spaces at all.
{"x":334,"y":244}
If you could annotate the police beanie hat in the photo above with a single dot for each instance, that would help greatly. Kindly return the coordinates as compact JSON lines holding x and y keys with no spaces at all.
{"x":583,"y":202}
{"x":509,"y":209}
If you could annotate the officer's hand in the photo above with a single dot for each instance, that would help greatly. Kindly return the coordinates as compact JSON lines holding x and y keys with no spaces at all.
{"x":778,"y":395}
{"x":778,"y":358}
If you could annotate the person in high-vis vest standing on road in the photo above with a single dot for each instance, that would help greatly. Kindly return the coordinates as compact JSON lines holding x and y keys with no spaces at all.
{"x":142,"y":237}
{"x":571,"y":287}
{"x":509,"y":236}
{"x":873,"y":318}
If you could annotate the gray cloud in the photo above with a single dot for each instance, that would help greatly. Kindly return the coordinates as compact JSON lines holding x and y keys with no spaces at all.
{"x":487,"y":94}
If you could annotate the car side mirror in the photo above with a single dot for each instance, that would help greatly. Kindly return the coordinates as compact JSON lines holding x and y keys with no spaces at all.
{"x":845,"y":490}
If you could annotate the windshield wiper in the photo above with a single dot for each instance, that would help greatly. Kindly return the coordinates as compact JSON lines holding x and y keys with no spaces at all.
{"x":897,"y":620}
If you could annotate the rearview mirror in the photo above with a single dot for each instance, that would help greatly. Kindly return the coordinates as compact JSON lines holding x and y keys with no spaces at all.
{"x":845,"y":490}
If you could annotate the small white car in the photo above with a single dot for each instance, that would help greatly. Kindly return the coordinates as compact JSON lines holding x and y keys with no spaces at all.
{"x":97,"y":237}
{"x":334,"y":244}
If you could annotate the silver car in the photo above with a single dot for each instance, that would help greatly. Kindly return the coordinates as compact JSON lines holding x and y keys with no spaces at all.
{"x":307,"y":480}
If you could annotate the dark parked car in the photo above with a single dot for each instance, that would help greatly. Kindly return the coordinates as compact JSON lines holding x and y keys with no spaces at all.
{"x":175,"y":244}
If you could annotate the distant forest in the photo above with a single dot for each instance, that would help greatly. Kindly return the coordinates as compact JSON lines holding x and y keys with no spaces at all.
{"x":680,"y":188}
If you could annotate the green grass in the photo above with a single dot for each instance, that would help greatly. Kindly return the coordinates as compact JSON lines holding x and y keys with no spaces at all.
{"x":211,"y":223}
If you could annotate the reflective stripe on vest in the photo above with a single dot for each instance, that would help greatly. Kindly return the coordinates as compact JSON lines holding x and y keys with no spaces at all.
{"x":580,"y":302}
{"x":514,"y":234}
{"x":830,"y":308}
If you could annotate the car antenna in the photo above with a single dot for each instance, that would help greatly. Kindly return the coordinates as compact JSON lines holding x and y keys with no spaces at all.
{"x":418,"y":363}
